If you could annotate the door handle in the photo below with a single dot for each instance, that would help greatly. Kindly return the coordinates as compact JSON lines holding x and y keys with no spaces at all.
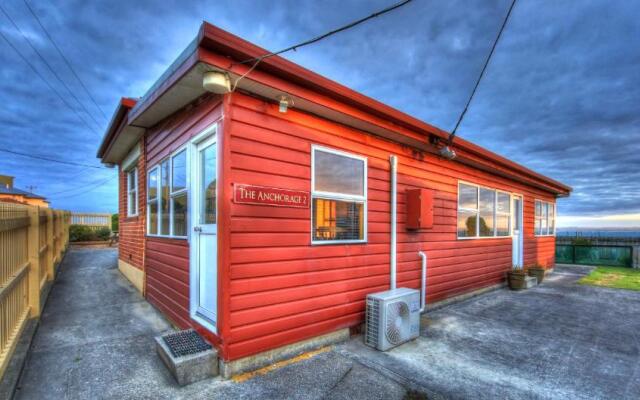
{"x":197,"y":229}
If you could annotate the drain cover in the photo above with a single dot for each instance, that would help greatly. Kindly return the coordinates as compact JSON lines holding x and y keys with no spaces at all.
{"x":184,"y":343}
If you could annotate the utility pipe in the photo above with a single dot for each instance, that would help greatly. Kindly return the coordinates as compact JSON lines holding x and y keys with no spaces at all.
{"x":423,"y":284}
{"x":393,"y":160}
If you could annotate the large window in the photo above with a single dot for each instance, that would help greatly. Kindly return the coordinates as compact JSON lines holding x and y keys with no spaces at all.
{"x":483,"y":212}
{"x":167,"y":203}
{"x":132,"y":192}
{"x":339,"y":197}
{"x":545,"y":224}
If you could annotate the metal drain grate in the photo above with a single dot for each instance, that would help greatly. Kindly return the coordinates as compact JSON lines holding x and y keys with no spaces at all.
{"x":184,"y":343}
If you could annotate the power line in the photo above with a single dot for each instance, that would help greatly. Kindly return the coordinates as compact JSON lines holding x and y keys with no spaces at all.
{"x":257,"y":60}
{"x":45,"y":81}
{"x":44,"y":60}
{"x":45,"y":158}
{"x":484,"y":67}
{"x":66,"y":60}
{"x":87,"y":190}
{"x":97,"y":181}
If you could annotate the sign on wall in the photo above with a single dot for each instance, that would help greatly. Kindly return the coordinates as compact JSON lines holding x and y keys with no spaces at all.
{"x":269,"y":196}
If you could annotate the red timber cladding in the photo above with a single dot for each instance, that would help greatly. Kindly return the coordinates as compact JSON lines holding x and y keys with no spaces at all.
{"x":283,"y":290}
{"x":131,"y":229}
{"x":166,"y":259}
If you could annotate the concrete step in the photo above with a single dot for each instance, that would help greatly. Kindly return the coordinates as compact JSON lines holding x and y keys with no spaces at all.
{"x":188,"y":356}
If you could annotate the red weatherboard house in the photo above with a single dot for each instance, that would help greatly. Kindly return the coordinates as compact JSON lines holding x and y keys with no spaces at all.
{"x":262,"y":216}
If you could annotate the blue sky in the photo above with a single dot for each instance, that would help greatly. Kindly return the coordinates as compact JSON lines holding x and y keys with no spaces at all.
{"x":561,"y":95}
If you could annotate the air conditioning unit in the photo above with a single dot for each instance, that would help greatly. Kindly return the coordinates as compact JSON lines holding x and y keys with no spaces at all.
{"x":393,"y":317}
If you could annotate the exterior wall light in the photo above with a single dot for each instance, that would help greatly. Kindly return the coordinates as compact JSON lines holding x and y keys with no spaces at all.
{"x":216,"y":82}
{"x":284,"y":103}
{"x":447,"y":153}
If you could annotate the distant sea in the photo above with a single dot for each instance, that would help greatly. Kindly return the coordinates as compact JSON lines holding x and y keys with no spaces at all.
{"x":616,"y":233}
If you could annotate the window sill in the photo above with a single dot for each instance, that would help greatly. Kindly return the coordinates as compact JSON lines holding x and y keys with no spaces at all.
{"x":336,"y":242}
{"x":484,"y":237}
{"x":167,"y":237}
{"x":131,"y":218}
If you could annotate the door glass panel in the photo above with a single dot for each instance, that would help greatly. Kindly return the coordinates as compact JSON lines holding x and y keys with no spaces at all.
{"x":208,"y":195}
{"x":516,"y":214}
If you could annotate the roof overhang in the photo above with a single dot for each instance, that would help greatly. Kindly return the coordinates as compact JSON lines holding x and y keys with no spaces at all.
{"x":120,"y":136}
{"x":217,"y":50}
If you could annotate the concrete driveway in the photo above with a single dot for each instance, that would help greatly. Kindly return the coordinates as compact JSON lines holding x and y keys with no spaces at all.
{"x":559,"y":340}
{"x":95,"y":341}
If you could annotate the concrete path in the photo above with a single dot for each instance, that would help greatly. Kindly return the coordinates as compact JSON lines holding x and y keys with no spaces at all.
{"x":95,"y":341}
{"x":559,"y":340}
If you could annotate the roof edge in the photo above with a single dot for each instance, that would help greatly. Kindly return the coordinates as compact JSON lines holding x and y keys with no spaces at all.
{"x":236,"y":50}
{"x":124,"y":106}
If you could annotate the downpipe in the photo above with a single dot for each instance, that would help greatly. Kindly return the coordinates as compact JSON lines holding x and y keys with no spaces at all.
{"x":393,"y":160}
{"x":423,"y":284}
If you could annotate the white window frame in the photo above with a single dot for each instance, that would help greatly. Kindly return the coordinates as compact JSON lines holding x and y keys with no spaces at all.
{"x":173,"y":195}
{"x":477,"y":211}
{"x":132,"y":209}
{"x":496,"y":213}
{"x":338,"y":196}
{"x":156,"y":167}
{"x":549,"y":232}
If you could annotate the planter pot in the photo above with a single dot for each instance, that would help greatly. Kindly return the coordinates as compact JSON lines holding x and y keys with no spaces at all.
{"x":537,"y":272}
{"x":517,"y":279}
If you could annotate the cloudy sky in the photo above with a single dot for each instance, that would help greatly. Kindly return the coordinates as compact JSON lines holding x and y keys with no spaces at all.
{"x":561,"y":95}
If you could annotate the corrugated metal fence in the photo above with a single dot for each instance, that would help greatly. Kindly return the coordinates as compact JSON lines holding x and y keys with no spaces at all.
{"x":613,"y":256}
{"x":32,"y":242}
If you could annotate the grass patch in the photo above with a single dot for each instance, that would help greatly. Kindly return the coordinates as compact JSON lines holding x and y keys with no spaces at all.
{"x":613,"y":277}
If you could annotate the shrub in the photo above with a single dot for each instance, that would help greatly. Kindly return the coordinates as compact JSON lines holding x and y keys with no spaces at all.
{"x":115,"y":222}
{"x":80,"y":233}
{"x":83,"y":233}
{"x":102,"y":233}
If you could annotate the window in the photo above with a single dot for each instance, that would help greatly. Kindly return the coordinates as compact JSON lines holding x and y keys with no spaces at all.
{"x":483,"y":212}
{"x":179,"y":206}
{"x":167,"y":203}
{"x":152,"y":202}
{"x":339,"y":197}
{"x":503,"y":214}
{"x":545,"y":224}
{"x":132,"y":192}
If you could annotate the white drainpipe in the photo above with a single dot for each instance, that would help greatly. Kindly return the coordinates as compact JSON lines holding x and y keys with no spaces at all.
{"x":393,"y":160}
{"x":423,"y":285}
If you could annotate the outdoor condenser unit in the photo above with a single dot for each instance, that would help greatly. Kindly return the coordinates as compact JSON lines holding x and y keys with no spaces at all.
{"x":393,"y":317}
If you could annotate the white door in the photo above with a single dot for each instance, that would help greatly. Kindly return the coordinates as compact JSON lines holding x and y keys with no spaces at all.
{"x":204,"y":233}
{"x":517,"y":230}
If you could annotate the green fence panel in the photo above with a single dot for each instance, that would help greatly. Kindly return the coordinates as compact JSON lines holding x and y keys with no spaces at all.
{"x":564,"y":254}
{"x":602,"y":255}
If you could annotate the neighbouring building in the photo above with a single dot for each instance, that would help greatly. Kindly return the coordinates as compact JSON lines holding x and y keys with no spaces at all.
{"x":11,"y":194}
{"x":261,"y":216}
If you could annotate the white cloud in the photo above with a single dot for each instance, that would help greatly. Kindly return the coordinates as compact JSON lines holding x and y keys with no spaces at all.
{"x":605,"y":221}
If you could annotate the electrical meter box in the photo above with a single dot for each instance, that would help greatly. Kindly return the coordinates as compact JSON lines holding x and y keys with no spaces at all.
{"x":419,"y":208}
